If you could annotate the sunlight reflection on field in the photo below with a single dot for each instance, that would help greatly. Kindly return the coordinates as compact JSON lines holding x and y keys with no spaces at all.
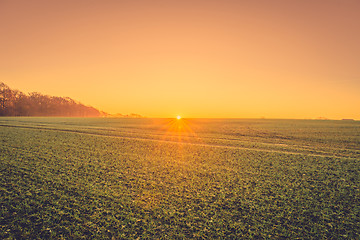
{"x":179,"y":130}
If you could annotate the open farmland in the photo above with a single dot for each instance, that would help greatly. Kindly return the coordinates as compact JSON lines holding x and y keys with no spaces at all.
{"x":75,"y":178}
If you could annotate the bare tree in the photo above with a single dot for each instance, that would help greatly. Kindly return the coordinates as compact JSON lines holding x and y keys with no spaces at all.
{"x":16,"y":103}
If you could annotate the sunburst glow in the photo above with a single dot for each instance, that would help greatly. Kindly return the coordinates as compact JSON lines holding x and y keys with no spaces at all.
{"x":178,"y":130}
{"x":178,"y":117}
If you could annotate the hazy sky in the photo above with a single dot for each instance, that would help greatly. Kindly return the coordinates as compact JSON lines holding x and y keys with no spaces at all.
{"x":275,"y":59}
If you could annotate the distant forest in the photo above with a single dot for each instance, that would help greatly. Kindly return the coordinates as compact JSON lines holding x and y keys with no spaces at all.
{"x":16,"y":103}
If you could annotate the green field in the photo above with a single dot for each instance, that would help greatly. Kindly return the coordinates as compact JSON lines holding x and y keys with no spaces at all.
{"x":102,"y":178}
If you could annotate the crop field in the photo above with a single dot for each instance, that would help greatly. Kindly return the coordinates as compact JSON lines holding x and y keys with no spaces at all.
{"x":104,"y":178}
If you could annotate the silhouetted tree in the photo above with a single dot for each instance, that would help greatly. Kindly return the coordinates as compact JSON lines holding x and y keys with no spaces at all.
{"x":16,"y":103}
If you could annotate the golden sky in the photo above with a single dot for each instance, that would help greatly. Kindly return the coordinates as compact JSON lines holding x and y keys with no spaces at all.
{"x":205,"y":58}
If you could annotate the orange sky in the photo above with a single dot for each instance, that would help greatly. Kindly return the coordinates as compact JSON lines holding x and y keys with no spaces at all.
{"x":245,"y":59}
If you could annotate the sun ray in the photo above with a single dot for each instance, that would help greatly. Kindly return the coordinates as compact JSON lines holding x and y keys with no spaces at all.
{"x":179,"y":130}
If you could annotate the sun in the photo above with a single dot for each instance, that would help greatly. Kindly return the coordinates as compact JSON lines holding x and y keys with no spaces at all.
{"x":178,"y":117}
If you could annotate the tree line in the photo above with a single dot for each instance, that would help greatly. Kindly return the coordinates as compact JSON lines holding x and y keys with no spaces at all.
{"x":16,"y":103}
